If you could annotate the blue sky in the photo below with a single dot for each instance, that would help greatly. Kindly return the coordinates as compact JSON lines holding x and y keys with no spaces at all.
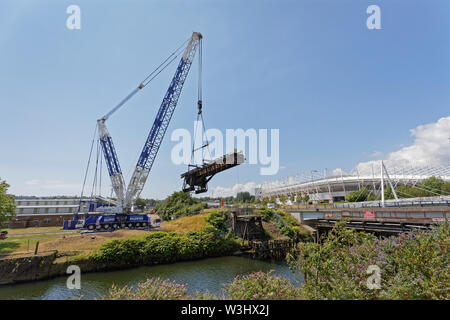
{"x":339,"y":93}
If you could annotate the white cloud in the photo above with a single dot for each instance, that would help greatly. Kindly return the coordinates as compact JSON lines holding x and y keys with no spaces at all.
{"x":431,"y":147}
{"x":233,"y":191}
{"x":376,"y":154}
{"x":338,"y":171}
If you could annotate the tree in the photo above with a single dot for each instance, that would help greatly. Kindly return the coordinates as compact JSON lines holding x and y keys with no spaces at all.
{"x":299,"y":197}
{"x":243,"y":197}
{"x":141,"y":203}
{"x":179,"y":204}
{"x":357,"y":196}
{"x":292,"y":198}
{"x":283,"y":198}
{"x":306,"y":197}
{"x":388,"y":194}
{"x":273,"y":199}
{"x":7,"y":204}
{"x":435,"y":186}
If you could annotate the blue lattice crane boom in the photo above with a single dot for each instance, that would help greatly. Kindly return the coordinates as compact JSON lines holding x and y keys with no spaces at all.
{"x":161,"y":123}
{"x":109,"y":152}
{"x":126,"y":196}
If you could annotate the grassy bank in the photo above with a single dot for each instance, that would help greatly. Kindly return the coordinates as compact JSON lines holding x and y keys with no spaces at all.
{"x":114,"y":250}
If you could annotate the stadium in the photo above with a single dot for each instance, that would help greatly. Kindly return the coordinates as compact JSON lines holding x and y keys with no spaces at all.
{"x":323,"y":188}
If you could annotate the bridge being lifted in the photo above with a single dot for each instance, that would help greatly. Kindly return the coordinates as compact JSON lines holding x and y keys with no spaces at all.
{"x":197,"y":179}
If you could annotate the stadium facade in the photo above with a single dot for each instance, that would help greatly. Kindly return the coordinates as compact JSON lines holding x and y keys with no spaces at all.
{"x":322,"y":188}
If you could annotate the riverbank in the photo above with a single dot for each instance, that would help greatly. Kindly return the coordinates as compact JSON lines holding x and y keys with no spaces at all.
{"x":118,"y":254}
{"x":197,"y":237}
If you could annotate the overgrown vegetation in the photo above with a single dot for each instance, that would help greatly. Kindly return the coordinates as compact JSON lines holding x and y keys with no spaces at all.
{"x":152,"y":289}
{"x":412,"y":266}
{"x":166,"y":247}
{"x":7,"y":204}
{"x":179,"y":204}
{"x":261,"y":286}
{"x":255,"y":286}
{"x":285,"y":222}
{"x":218,"y":219}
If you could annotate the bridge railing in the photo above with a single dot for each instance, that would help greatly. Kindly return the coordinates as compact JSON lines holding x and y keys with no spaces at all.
{"x":412,"y":202}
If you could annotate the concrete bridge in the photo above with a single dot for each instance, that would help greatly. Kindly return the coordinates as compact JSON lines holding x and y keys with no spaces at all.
{"x":305,"y":213}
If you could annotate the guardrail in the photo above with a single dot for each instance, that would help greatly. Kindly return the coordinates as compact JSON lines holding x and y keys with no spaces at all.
{"x":395,"y":203}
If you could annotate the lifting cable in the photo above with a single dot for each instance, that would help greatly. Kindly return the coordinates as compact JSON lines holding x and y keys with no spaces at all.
{"x":149,"y":78}
{"x":199,"y":113}
{"x":94,"y":183}
{"x":174,"y":55}
{"x":87,"y":167}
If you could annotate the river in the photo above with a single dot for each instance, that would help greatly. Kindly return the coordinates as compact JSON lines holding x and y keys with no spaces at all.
{"x":201,"y":275}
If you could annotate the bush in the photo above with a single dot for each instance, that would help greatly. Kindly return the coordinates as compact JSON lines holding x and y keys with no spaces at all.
{"x":285,"y":222}
{"x":218,"y":219}
{"x":152,"y":289}
{"x":267,"y":213}
{"x":413,"y":266}
{"x":125,"y":251}
{"x":256,"y":286}
{"x":261,"y":286}
{"x":165,"y":247}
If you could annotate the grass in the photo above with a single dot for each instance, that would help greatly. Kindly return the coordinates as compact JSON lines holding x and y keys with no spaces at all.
{"x":8,"y":247}
{"x":22,"y":246}
{"x":33,"y":230}
{"x":75,"y":242}
{"x":37,"y":236}
{"x":186,"y":224}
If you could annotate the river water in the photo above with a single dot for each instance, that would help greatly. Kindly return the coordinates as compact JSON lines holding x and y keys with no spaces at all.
{"x":201,"y":275}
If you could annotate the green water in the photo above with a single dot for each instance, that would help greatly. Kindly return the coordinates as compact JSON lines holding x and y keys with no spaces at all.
{"x":201,"y":275}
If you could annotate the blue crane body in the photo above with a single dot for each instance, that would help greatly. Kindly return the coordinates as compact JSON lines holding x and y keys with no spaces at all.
{"x":124,"y":217}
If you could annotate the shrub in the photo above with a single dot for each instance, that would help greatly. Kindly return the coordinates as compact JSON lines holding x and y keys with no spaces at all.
{"x":285,"y":222}
{"x":152,"y":289}
{"x":261,"y":286}
{"x":165,"y":247}
{"x":413,"y":266}
{"x":267,"y":213}
{"x":218,"y":219}
{"x":124,"y":251}
{"x":255,"y":286}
